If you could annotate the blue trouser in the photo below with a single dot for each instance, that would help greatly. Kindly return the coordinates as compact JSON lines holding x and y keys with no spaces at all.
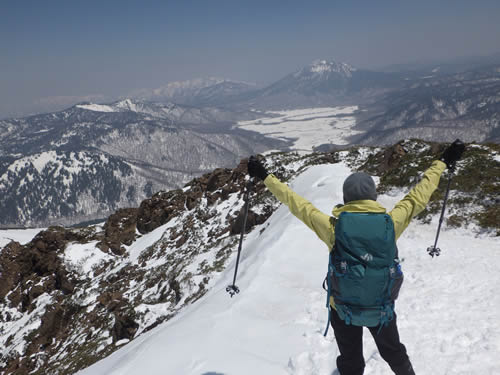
{"x":350,"y":342}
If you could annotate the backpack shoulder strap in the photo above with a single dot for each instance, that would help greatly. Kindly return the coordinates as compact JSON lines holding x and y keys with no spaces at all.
{"x":329,"y":287}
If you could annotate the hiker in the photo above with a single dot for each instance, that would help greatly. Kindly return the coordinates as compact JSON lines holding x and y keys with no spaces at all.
{"x":356,"y":236}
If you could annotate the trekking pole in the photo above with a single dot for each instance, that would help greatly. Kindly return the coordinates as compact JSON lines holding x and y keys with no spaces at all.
{"x":433,"y":250}
{"x":233,"y":289}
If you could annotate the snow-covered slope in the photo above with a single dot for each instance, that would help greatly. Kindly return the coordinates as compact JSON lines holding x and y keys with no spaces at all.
{"x":155,"y":276}
{"x":171,"y":113}
{"x":59,"y":187}
{"x":22,"y":236}
{"x":448,"y":309}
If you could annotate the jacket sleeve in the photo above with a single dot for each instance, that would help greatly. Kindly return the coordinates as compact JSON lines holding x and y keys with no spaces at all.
{"x":416,"y":200}
{"x":322,"y":224}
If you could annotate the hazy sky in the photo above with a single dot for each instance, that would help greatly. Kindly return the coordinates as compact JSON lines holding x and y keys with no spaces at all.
{"x":52,"y":49}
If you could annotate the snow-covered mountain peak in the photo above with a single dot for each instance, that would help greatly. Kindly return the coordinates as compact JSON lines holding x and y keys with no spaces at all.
{"x":127,"y":104}
{"x":120,"y":106}
{"x":96,"y":107}
{"x":323,"y":66}
{"x":319,"y":83}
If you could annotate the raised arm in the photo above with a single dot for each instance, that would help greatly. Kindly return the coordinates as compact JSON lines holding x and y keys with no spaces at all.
{"x":319,"y":222}
{"x":322,"y":224}
{"x":416,"y":200}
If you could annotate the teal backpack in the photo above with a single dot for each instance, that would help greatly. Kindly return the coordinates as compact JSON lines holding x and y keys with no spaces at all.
{"x":364,"y":275}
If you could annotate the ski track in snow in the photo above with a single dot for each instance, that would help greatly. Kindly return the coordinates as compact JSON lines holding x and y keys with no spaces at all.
{"x":448,"y":310}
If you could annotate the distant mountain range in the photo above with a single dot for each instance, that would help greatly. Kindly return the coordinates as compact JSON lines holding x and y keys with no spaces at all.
{"x":89,"y":160}
{"x":437,"y":107}
{"x":198,"y":92}
{"x":453,"y":66}
{"x":52,"y":165}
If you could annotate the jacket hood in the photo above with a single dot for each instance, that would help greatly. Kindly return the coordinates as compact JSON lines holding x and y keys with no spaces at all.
{"x":367,"y":205}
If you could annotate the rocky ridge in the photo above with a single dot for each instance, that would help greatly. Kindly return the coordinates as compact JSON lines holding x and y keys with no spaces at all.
{"x":93,"y":279}
{"x":73,"y":296}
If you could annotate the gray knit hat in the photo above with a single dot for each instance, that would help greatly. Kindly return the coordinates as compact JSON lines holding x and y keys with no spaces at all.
{"x":359,"y":186}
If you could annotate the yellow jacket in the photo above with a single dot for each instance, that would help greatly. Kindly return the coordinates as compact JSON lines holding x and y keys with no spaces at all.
{"x":324,"y":226}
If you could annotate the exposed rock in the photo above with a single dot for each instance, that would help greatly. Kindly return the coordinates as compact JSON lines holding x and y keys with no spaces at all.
{"x":124,"y":328}
{"x":39,"y":258}
{"x":391,"y":157}
{"x":175,"y":287}
{"x":34,"y":292}
{"x":63,"y":282}
{"x":253,"y":219}
{"x":163,"y":206}
{"x":217,"y":178}
{"x":159,"y":209}
{"x":221,"y":182}
{"x":120,"y":229}
{"x":10,"y":268}
{"x":51,"y":323}
{"x":437,"y":148}
{"x":111,"y":300}
{"x":30,"y":271}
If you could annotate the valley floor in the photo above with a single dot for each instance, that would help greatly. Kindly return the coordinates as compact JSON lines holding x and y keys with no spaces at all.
{"x":307,"y":128}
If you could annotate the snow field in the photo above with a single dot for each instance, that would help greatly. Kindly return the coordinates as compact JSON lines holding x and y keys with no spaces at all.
{"x":23,"y":236}
{"x":448,"y":310}
{"x":21,"y":325}
{"x":82,"y":258}
{"x":307,"y":128}
{"x":97,"y":107}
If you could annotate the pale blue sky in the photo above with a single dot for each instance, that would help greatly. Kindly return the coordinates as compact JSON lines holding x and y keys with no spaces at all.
{"x":78,"y":48}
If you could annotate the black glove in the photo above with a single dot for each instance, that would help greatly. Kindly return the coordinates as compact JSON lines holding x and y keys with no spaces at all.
{"x":453,"y":153}
{"x":256,"y":169}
